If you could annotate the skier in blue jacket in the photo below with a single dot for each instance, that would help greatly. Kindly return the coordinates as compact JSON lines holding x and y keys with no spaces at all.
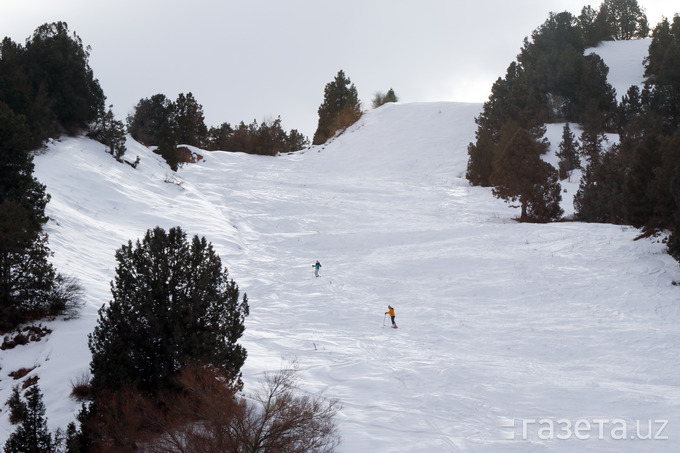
{"x":316,"y":268}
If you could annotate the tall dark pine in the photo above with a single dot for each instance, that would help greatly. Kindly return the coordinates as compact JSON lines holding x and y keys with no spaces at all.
{"x":32,"y":435}
{"x":568,"y":153}
{"x":624,"y":19}
{"x":591,"y":146}
{"x":480,"y":158}
{"x":172,"y":303}
{"x":191,"y":128}
{"x":26,"y":276}
{"x":600,"y":194}
{"x":75,"y":96}
{"x":16,"y":167}
{"x":340,"y":108}
{"x":110,"y":132}
{"x":520,"y":175}
{"x":150,"y":118}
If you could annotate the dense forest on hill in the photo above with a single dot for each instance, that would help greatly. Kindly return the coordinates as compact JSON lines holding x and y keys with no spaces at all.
{"x":634,"y":182}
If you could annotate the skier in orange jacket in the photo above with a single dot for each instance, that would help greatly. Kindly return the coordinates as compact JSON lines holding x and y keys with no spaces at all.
{"x":391,"y":313}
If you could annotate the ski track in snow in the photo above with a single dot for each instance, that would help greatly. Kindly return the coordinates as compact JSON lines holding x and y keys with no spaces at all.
{"x":498,"y":321}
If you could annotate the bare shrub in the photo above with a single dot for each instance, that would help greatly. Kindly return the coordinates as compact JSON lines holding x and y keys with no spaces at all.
{"x":181,"y":419}
{"x":81,"y":389}
{"x":200,"y":418}
{"x":285,"y":419}
{"x":204,"y":415}
{"x":117,"y":420}
{"x":66,"y":297}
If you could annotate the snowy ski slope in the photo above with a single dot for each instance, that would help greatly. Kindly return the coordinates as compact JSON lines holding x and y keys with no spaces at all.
{"x":504,"y":329}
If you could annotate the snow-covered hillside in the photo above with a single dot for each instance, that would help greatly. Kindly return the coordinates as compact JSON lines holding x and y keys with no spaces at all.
{"x":500,"y":323}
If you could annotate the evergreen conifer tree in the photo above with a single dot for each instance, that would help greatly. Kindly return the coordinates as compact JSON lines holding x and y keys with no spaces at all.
{"x":74,"y":96}
{"x":520,"y":174}
{"x":16,"y":167}
{"x":172,"y":303}
{"x":591,"y":146}
{"x":296,"y":140}
{"x":219,"y":137}
{"x":109,"y":131}
{"x":630,"y":107}
{"x":150,"y":119}
{"x":32,"y":435}
{"x":568,"y":153}
{"x":600,"y":194}
{"x":644,"y":162}
{"x":587,"y":22}
{"x":340,"y":108}
{"x":480,"y":159}
{"x":625,"y":19}
{"x":383,"y":98}
{"x":27,"y":279}
{"x":189,"y":121}
{"x":551,"y":80}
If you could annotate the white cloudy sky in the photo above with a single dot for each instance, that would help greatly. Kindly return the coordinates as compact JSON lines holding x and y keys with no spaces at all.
{"x":250,"y":60}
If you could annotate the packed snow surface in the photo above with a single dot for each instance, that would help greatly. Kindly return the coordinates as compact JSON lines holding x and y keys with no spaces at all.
{"x":625,"y":62}
{"x":505,"y":329}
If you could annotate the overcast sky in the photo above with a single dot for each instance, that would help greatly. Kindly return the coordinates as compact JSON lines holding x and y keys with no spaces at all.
{"x":251,"y":60}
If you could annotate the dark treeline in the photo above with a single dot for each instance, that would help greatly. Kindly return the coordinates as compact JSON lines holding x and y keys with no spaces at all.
{"x":166,"y":124}
{"x":158,"y":121}
{"x":34,"y":105}
{"x":637,"y":182}
{"x":634,"y":182}
{"x":49,"y":83}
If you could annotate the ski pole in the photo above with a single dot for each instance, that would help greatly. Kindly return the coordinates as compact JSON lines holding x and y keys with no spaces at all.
{"x":384,"y":317}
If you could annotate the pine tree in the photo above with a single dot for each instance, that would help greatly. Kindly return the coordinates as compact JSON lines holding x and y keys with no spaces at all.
{"x":544,"y":199}
{"x":630,"y":107}
{"x":591,"y":146}
{"x":27,"y":279}
{"x":384,"y":98}
{"x":32,"y":435}
{"x":16,"y":167}
{"x":219,"y":137}
{"x":109,"y":131}
{"x":480,"y":159}
{"x":664,"y":188}
{"x":74,"y":96}
{"x":172,"y":302}
{"x":17,"y":407}
{"x":568,"y":153}
{"x":637,"y":197}
{"x":594,"y":101}
{"x":268,"y":138}
{"x":625,"y":19}
{"x":150,"y":118}
{"x":520,"y":174}
{"x":588,"y":24}
{"x":340,"y":108}
{"x":600,"y":194}
{"x":190,"y":123}
{"x":296,"y":140}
